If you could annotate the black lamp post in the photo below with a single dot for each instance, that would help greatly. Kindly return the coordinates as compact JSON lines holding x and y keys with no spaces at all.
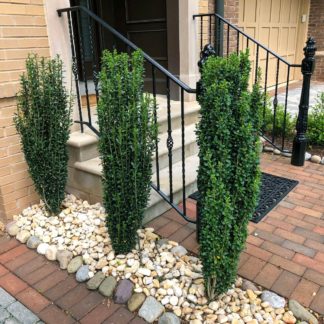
{"x":300,"y":140}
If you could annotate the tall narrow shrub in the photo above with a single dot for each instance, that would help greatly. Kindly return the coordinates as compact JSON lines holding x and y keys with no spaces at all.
{"x":126,"y":145}
{"x":229,"y":175}
{"x":43,"y":121}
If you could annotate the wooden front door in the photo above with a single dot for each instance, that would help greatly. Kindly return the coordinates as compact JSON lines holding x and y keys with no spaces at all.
{"x":151,"y":25}
{"x":277,"y":24}
{"x":144,"y":22}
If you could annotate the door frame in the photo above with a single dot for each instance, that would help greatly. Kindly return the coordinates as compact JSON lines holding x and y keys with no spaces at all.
{"x":173,"y":36}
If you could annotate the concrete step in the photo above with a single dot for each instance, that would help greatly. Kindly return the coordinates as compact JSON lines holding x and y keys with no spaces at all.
{"x":191,"y":147}
{"x":83,"y":147}
{"x":85,"y":177}
{"x":191,"y":114}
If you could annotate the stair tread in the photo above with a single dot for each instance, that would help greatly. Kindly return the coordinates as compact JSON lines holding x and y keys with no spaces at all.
{"x":162,"y":111}
{"x":190,"y":107}
{"x":190,"y":137}
{"x":78,"y":139}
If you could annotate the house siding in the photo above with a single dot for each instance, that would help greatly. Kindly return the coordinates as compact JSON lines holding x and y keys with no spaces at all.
{"x":316,"y":30}
{"x":22,"y":31}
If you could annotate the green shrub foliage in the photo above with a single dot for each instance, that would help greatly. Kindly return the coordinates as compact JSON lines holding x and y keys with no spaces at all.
{"x":315,"y":126}
{"x":126,"y":145}
{"x":43,"y":121}
{"x":229,"y":175}
{"x":283,"y":125}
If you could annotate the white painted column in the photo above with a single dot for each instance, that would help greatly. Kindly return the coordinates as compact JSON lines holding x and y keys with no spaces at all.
{"x":188,"y":44}
{"x":59,"y":42}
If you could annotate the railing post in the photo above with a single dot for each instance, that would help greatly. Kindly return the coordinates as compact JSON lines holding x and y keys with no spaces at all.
{"x":204,"y":55}
{"x":300,"y":140}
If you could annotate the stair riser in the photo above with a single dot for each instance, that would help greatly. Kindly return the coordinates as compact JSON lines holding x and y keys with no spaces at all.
{"x":190,"y":149}
{"x":88,"y":186}
{"x":161,"y":206}
{"x":83,"y":153}
{"x":190,"y":118}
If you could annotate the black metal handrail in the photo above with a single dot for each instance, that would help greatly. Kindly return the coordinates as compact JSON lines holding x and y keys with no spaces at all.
{"x":130,"y":44}
{"x":77,"y":46}
{"x":77,"y":43}
{"x":247,"y":36}
{"x":221,"y":35}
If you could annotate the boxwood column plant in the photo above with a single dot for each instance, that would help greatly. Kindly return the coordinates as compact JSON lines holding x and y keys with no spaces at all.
{"x":229,"y":175}
{"x":127,"y":135}
{"x":43,"y":121}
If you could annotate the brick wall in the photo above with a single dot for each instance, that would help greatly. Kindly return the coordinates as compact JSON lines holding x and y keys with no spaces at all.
{"x":206,"y":6}
{"x":316,"y":30}
{"x":231,"y":13}
{"x":22,"y":30}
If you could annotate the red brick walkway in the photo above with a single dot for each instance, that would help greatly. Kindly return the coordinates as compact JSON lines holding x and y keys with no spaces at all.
{"x":52,"y":294}
{"x":285,"y":251}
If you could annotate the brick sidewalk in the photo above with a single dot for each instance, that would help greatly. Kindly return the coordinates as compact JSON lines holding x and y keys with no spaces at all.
{"x":14,"y":312}
{"x":285,"y":251}
{"x":52,"y":294}
{"x":286,"y":255}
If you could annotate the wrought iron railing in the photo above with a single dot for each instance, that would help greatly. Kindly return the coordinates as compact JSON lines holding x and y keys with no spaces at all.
{"x":78,"y":63}
{"x":227,"y":38}
{"x":90,"y":86}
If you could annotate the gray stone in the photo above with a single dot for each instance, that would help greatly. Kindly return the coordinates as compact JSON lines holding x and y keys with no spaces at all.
{"x":268,"y":149}
{"x":33,"y":242}
{"x":75,"y":264}
{"x":316,"y":159}
{"x":246,"y":284}
{"x":12,"y":320}
{"x":273,"y":299}
{"x":322,"y":161}
{"x":151,"y":310}
{"x":136,"y":301}
{"x":82,"y":274}
{"x":179,"y":251}
{"x":307,"y":156}
{"x":123,"y":291}
{"x":286,"y":154}
{"x":64,"y":257}
{"x":12,"y":229}
{"x":169,"y":318}
{"x":96,"y":281}
{"x":5,"y":299}
{"x":3,"y":314}
{"x":107,"y":286}
{"x":162,"y":242}
{"x":276,"y":152}
{"x":301,"y":312}
{"x":23,"y":236}
{"x":22,"y":314}
{"x":260,"y":147}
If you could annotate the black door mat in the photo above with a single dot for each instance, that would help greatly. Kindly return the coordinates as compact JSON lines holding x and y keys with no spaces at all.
{"x":273,"y":190}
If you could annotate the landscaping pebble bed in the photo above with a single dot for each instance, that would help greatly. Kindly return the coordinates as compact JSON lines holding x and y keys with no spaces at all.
{"x":308,"y":156}
{"x":159,"y":279}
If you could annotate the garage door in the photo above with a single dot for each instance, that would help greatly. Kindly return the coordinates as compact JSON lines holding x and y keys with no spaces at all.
{"x":277,"y":24}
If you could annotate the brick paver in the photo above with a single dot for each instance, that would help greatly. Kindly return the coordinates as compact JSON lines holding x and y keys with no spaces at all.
{"x":39,"y":291}
{"x":285,"y":251}
{"x":13,"y":311}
